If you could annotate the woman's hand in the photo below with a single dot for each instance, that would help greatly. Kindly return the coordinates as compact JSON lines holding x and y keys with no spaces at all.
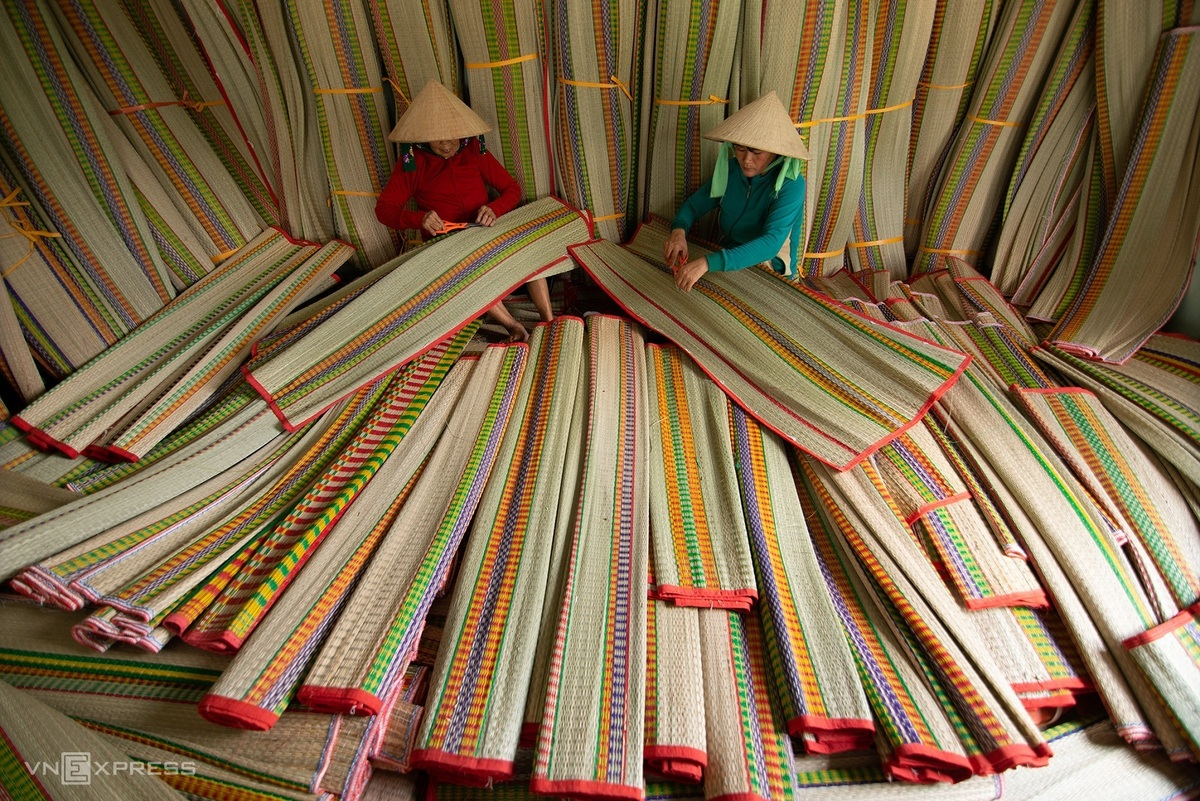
{"x":687,"y":275}
{"x":676,"y":248}
{"x":485,"y":216}
{"x":432,"y":223}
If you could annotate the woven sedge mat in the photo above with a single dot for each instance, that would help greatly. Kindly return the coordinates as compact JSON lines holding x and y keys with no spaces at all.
{"x":268,"y":667}
{"x":810,"y":665}
{"x":68,"y":525}
{"x":76,"y":575}
{"x":1026,"y":655}
{"x":595,"y":69}
{"x":590,"y":742}
{"x":1154,"y":220}
{"x":129,"y":578}
{"x":429,"y":51}
{"x":915,"y":737}
{"x":504,"y":52}
{"x":46,"y":311}
{"x":132,"y":439}
{"x":480,"y":680}
{"x":899,"y":44}
{"x":350,"y":100}
{"x":304,"y":751}
{"x":570,"y":499}
{"x":184,"y":171}
{"x":842,"y":285}
{"x":44,"y":754}
{"x":957,"y":42}
{"x":228,"y":618}
{"x":969,"y":673}
{"x":933,"y":501}
{"x":998,"y":348}
{"x":976,"y":169}
{"x":1169,"y":655}
{"x":675,"y":746}
{"x":1041,"y":202}
{"x":157,"y":349}
{"x":1152,"y":394}
{"x":23,"y":498}
{"x":698,"y":536}
{"x":749,"y":751}
{"x":838,"y":146}
{"x":1075,"y":556}
{"x":1119,"y":474}
{"x":839,"y":399}
{"x":16,"y":358}
{"x":58,"y":140}
{"x":442,"y":287}
{"x":394,"y":752}
{"x":684,"y":93}
{"x":373,"y":640}
{"x":210,"y":561}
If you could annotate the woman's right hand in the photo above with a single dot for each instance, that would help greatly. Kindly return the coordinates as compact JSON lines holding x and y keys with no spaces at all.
{"x":432,"y":223}
{"x":675,"y":251}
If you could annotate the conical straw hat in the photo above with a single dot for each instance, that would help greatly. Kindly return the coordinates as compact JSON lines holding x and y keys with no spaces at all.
{"x":436,"y":113}
{"x":762,"y":125}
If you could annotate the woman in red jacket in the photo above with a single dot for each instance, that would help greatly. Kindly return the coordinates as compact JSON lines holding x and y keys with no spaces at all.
{"x":447,"y":173}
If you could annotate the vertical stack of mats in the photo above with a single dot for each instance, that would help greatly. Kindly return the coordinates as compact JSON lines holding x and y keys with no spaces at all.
{"x":410,"y":61}
{"x":89,"y":272}
{"x":900,"y":41}
{"x":971,"y":181}
{"x":196,"y":210}
{"x":343,"y":73}
{"x":505,"y":57}
{"x":684,"y":95}
{"x":940,"y":105}
{"x":838,"y":150}
{"x":593,"y":111}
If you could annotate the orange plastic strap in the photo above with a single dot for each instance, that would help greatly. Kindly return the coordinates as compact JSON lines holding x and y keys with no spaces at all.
{"x":365,"y":90}
{"x":712,"y":100}
{"x":31,"y":234}
{"x":616,"y":216}
{"x":924,"y":85}
{"x":616,"y":83}
{"x":948,"y":251}
{"x":491,"y":65}
{"x":998,"y":123}
{"x":220,"y":257}
{"x":872,"y":243}
{"x":826,"y":255}
{"x":185,"y":101}
{"x":399,"y":92}
{"x":869,"y":112}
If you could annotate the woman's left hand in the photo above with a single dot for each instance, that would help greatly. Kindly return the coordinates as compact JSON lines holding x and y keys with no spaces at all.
{"x":687,"y":275}
{"x":485,"y":216}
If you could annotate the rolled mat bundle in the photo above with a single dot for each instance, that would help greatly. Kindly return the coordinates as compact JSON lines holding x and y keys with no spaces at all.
{"x":480,"y":680}
{"x":675,"y":744}
{"x":590,"y":743}
{"x":698,"y":538}
{"x":264,"y":675}
{"x":436,"y":292}
{"x":370,"y":647}
{"x":810,"y":665}
{"x":748,"y":332}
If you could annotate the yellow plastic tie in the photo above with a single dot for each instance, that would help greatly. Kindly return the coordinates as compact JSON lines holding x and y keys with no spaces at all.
{"x":998,"y":123}
{"x":872,"y":243}
{"x":948,"y":251}
{"x":349,"y":193}
{"x":31,"y":234}
{"x":220,"y":257}
{"x":10,"y":201}
{"x":365,"y":90}
{"x":399,"y":92}
{"x":712,"y":100}
{"x":925,"y":85}
{"x":869,"y":112}
{"x":491,"y":65}
{"x":616,"y":216}
{"x":616,"y":83}
{"x":185,"y":101}
{"x":826,"y":255}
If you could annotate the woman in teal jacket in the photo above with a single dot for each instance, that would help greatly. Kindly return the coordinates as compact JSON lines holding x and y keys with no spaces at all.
{"x":758,"y":187}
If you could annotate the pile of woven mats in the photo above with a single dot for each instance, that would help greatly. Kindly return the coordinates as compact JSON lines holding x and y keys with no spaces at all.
{"x":760,"y":538}
{"x":281,"y":518}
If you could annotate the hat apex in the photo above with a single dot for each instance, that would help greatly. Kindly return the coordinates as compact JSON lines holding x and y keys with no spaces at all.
{"x":437,"y":113}
{"x":763,"y":125}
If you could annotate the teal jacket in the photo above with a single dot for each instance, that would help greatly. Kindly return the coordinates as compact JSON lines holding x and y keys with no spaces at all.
{"x":755,"y":222}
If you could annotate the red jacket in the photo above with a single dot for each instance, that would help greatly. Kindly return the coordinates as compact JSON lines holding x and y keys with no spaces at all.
{"x":455,"y":188}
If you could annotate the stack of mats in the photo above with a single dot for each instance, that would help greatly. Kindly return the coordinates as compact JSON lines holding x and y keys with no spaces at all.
{"x":503,"y":50}
{"x":593,"y":111}
{"x":351,"y":109}
{"x":410,"y":61}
